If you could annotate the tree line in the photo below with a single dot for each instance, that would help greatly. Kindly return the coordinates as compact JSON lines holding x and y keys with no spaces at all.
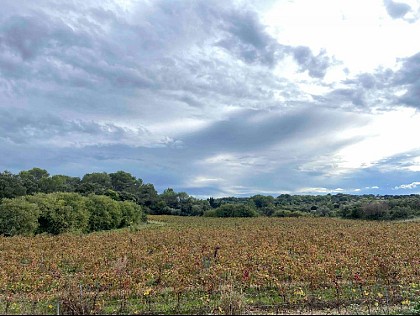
{"x":119,"y":186}
{"x":60,"y":203}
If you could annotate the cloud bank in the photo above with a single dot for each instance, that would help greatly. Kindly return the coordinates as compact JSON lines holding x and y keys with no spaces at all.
{"x":204,"y":97}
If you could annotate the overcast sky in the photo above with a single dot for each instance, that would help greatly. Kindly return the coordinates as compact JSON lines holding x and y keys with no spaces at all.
{"x":215,"y":98}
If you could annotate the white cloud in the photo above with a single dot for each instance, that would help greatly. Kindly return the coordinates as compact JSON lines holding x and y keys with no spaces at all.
{"x":387,"y":135}
{"x":345,"y":29}
{"x":410,"y":186}
{"x":319,"y":190}
{"x":372,"y":187}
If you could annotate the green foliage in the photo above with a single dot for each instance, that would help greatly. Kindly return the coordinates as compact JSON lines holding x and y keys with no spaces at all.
{"x":131,"y":214}
{"x":105,"y":213}
{"x":34,"y":179}
{"x":122,"y":186}
{"x":262,"y":201}
{"x":18,"y":217}
{"x":213,"y":203}
{"x":61,"y":183}
{"x":147,"y":196}
{"x":232,"y":210}
{"x":124,"y":181}
{"x":267,"y":210}
{"x":171,"y":198}
{"x":400,"y":212}
{"x":11,"y":186}
{"x":173,"y":203}
{"x":96,"y":183}
{"x":210,"y":213}
{"x":387,"y":209}
{"x":61,"y":212}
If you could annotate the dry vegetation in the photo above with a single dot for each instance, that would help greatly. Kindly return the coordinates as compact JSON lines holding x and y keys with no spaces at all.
{"x":213,"y":265}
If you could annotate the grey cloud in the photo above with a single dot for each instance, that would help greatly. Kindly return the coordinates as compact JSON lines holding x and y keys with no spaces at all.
{"x":365,"y":91}
{"x":248,"y":39}
{"x":410,"y":71}
{"x":409,"y":77}
{"x":30,"y":36}
{"x":401,"y":162}
{"x":21,"y":127}
{"x":368,"y":81}
{"x":258,"y":129}
{"x":396,"y":9}
{"x":315,"y":65}
{"x":264,"y":145}
{"x":343,"y":96}
{"x":105,"y":55}
{"x":380,"y":89}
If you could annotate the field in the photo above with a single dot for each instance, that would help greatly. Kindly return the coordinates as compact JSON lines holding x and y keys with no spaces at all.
{"x":190,"y":265}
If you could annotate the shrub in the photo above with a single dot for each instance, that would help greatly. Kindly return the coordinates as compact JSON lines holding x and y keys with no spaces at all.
{"x":131,"y":214}
{"x":400,"y":212}
{"x":268,"y":210}
{"x":104,"y":213}
{"x":375,"y":210}
{"x":61,"y":212}
{"x":233,"y":210}
{"x":287,"y":213}
{"x":18,"y":217}
{"x":282,"y":213}
{"x":57,"y":213}
{"x":210,"y":213}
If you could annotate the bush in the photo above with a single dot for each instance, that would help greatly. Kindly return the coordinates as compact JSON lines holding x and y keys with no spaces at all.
{"x":60,"y":212}
{"x":287,"y":213}
{"x":131,"y":214}
{"x":232,"y":210}
{"x":18,"y":217}
{"x":282,"y":213}
{"x":375,"y":210}
{"x":57,"y":213}
{"x":401,"y":212}
{"x":268,"y":210}
{"x":210,"y":213}
{"x":104,"y":213}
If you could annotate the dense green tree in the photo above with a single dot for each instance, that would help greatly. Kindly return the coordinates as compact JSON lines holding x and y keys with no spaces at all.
{"x":96,"y":183}
{"x":199,"y":207}
{"x":10,"y":185}
{"x":261,"y":201}
{"x":148,"y":197}
{"x":62,"y":183}
{"x":171,"y":198}
{"x":34,"y":180}
{"x":213,"y":202}
{"x":124,"y":181}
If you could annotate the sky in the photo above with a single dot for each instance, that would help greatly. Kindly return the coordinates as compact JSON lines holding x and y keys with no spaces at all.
{"x":215,"y":98}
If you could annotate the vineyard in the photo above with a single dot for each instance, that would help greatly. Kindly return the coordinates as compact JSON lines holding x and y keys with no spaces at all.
{"x":216,"y":266}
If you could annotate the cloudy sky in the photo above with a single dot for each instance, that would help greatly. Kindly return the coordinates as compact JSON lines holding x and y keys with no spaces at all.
{"x":215,"y":98}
